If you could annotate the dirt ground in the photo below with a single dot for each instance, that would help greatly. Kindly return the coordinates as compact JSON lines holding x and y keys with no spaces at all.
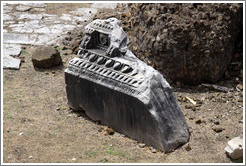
{"x":39,"y":126}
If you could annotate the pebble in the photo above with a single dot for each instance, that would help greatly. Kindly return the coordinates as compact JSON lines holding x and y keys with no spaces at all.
{"x":141,"y":145}
{"x":109,"y":131}
{"x":239,"y":87}
{"x":74,"y":159}
{"x":153,"y":150}
{"x":216,"y":122}
{"x":68,"y":52}
{"x":187,"y":147}
{"x":30,"y":157}
{"x":58,"y":108}
{"x":21,"y":133}
{"x":198,"y":121}
{"x":218,"y":129}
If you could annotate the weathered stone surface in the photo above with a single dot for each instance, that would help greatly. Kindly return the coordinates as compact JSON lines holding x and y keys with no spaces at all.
{"x":19,"y":38}
{"x":45,"y":57}
{"x":30,"y":16}
{"x":23,"y":8}
{"x":104,"y":5}
{"x":235,"y":148}
{"x":7,"y":17}
{"x":8,"y":61}
{"x":115,"y":87}
{"x":85,"y":11}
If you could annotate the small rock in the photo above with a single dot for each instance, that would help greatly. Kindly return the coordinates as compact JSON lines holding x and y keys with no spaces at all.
{"x":141,"y":145}
{"x":98,"y":122}
{"x":58,"y":108}
{"x":235,"y":148}
{"x":240,"y":87}
{"x":187,"y":147}
{"x":21,"y":133}
{"x":74,"y":159}
{"x":68,"y":52}
{"x":216,"y":122}
{"x":153,"y":150}
{"x":45,"y":57}
{"x":218,"y":129}
{"x":100,"y":129}
{"x":30,"y":157}
{"x":109,"y":131}
{"x":193,"y":108}
{"x":198,"y":121}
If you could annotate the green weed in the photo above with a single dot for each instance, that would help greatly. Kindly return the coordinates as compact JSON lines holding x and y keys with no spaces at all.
{"x":23,"y":51}
{"x":58,"y":48}
{"x":91,"y":154}
{"x":63,"y":107}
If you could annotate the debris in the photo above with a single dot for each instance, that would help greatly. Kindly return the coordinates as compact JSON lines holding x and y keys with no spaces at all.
{"x":58,"y":108}
{"x":187,"y":32}
{"x":216,"y":122}
{"x":192,"y":107}
{"x":109,"y":131}
{"x":187,"y":147}
{"x":21,"y":133}
{"x":218,"y":87}
{"x":235,"y":148}
{"x":198,"y":121}
{"x":141,"y":145}
{"x":218,"y":129}
{"x":74,"y":159}
{"x":239,"y":87}
{"x":30,"y":157}
{"x":68,"y":52}
{"x":153,"y":150}
{"x":191,"y":100}
{"x":100,"y":129}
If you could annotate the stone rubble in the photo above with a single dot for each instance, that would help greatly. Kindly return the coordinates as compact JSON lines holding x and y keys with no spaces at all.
{"x":28,"y":24}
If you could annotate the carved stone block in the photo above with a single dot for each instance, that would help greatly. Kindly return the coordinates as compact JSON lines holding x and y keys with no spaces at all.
{"x":113,"y":86}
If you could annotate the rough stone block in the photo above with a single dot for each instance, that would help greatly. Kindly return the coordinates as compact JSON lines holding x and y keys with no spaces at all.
{"x":113,"y":86}
{"x":45,"y":57}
